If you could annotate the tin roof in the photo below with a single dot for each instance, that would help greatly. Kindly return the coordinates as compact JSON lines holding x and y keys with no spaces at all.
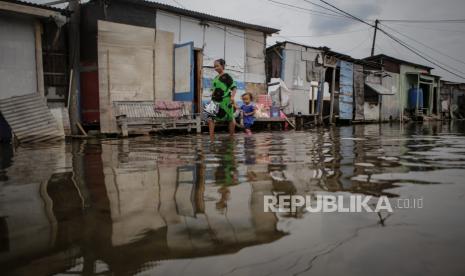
{"x":396,"y":60}
{"x":283,"y":43}
{"x":324,"y":49}
{"x":199,"y":15}
{"x":36,"y":5}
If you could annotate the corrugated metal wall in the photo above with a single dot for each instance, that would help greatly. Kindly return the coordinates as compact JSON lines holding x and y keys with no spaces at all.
{"x":346,"y":99}
{"x":298,"y":73}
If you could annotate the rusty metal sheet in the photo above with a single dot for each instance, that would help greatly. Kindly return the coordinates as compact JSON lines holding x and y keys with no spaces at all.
{"x":30,"y":119}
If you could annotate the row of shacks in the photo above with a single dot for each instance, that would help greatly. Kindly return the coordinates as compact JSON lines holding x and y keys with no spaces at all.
{"x":104,"y":53}
{"x":336,"y":86}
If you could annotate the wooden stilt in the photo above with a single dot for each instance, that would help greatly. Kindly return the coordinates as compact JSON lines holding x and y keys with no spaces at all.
{"x":333,"y":91}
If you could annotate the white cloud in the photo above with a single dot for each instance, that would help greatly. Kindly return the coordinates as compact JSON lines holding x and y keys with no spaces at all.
{"x":352,"y":37}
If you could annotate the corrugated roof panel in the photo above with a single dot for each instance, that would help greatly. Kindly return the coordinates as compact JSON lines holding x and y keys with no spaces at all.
{"x":202,"y":16}
{"x":30,"y":119}
{"x":38,"y":5}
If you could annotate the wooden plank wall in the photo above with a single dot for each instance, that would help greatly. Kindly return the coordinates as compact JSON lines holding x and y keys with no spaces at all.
{"x":133,"y":63}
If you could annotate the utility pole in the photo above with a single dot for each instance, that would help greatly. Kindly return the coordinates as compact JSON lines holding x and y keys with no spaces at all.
{"x":74,"y":57}
{"x":374,"y":38}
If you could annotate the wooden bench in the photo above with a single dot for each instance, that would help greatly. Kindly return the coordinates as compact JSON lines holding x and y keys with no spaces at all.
{"x":142,"y":118}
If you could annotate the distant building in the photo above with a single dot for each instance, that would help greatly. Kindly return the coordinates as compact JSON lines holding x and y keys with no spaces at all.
{"x":300,"y":67}
{"x":452,"y":100}
{"x":415,"y":91}
{"x":308,"y":73}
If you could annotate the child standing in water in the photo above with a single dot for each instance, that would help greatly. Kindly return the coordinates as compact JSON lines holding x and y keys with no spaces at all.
{"x":248,"y":111}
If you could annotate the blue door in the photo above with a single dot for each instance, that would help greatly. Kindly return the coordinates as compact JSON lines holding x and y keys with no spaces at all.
{"x":346,"y":89}
{"x":184,"y":72}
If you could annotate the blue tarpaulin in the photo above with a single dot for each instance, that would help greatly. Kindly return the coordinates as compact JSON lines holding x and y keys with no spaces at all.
{"x":346,"y":91}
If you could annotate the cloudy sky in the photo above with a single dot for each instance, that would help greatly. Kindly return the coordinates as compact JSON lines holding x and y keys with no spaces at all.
{"x":443,"y":42}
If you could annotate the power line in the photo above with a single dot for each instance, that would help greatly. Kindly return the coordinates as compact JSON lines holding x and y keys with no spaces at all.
{"x":237,"y":35}
{"x":348,"y":14}
{"x":344,"y":15}
{"x":410,"y":48}
{"x":424,"y":21}
{"x":323,"y":35}
{"x":416,"y":52}
{"x":358,"y":45}
{"x":427,"y":28}
{"x":399,"y":41}
{"x":314,"y":12}
{"x":391,"y":44}
{"x":429,"y":56}
{"x":326,"y":8}
{"x":429,"y":47}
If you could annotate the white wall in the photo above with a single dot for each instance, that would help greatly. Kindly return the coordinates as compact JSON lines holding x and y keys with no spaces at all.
{"x":295,"y":66}
{"x":295,"y":76}
{"x":185,"y":29}
{"x":17,"y":57}
{"x":227,"y":43}
{"x":169,"y":23}
{"x":235,"y":49}
{"x":391,"y":103}
{"x":255,"y":57}
{"x":217,"y":41}
{"x":191,"y":30}
{"x":214,"y":45}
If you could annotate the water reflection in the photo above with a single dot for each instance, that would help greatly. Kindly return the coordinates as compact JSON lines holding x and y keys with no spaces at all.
{"x":123,"y":206}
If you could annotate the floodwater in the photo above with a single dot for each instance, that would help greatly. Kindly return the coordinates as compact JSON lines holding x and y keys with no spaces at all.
{"x":178,"y":205}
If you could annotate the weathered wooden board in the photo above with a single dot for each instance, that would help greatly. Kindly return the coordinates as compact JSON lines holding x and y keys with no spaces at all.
{"x":125,"y":63}
{"x":135,"y":64}
{"x":61,"y":115}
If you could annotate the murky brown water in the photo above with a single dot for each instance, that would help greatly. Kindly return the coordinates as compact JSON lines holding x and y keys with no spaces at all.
{"x":179,"y":206}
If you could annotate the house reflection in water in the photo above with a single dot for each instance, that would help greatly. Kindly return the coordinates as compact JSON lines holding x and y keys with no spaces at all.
{"x":120,"y":206}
